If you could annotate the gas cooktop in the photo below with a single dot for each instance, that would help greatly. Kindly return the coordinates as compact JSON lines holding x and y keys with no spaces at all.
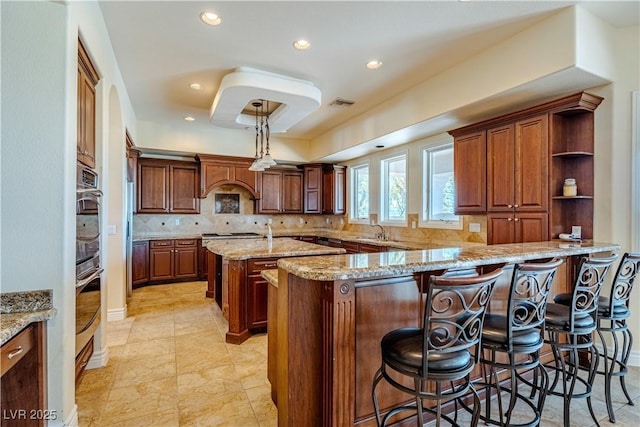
{"x":230,"y":235}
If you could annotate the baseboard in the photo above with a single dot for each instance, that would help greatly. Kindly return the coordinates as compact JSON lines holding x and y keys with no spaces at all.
{"x":117,"y":314}
{"x":99,"y":360}
{"x":634,"y":357}
{"x":70,"y":421}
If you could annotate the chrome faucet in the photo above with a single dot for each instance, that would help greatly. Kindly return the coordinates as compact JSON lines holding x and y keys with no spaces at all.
{"x":383,"y":233}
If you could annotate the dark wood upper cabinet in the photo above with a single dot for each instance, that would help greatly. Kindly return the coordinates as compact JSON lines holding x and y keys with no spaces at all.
{"x":220,"y":170}
{"x":521,"y":160}
{"x":333,"y":189}
{"x":165,"y":186}
{"x":86,"y":127}
{"x":312,"y":189}
{"x":470,"y":172}
{"x":281,"y":191}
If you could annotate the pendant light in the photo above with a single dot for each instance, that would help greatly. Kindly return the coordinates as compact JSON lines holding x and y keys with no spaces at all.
{"x":256,"y":166}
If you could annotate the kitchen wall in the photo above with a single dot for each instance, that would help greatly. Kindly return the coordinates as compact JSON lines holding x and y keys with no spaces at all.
{"x":210,"y":222}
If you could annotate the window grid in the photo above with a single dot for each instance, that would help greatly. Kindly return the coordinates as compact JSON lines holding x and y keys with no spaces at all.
{"x":360,"y":194}
{"x":394,"y":189}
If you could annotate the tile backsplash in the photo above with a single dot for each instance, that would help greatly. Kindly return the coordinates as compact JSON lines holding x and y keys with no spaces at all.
{"x":247,"y":221}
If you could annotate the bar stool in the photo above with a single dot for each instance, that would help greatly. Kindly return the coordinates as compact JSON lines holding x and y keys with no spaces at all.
{"x":444,"y":351}
{"x":518,"y":335}
{"x":570,"y":329}
{"x":613,"y":312}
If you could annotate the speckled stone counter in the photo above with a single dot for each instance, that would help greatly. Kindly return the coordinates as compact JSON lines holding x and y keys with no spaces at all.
{"x":164,"y":236}
{"x":19,"y":309}
{"x":270,"y":276}
{"x":242,"y":249}
{"x":361,"y":266}
{"x":333,"y":312}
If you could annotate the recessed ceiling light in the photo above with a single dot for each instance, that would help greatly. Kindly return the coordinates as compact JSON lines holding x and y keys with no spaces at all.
{"x":189,"y":118}
{"x":210,"y":18}
{"x":195,"y":86}
{"x":301,"y":44}
{"x":373,"y":65}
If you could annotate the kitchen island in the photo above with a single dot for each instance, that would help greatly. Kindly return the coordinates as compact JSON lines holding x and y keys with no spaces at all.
{"x":334,"y":310}
{"x":235,"y":282}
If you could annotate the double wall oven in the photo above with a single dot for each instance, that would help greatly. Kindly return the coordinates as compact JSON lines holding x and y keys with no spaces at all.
{"x":88,"y":266}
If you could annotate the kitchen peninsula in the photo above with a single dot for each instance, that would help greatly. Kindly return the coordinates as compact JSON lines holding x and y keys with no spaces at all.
{"x":334,"y":310}
{"x":234,"y":278}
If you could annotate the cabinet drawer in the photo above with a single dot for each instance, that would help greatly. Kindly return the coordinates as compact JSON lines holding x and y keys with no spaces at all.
{"x":257,"y":265}
{"x":82,"y":359}
{"x":161,"y":243}
{"x":17,"y":348}
{"x":185,"y":242}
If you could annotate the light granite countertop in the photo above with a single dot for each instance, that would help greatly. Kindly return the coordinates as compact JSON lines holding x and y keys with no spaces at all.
{"x":369,"y":265}
{"x":330,"y":234}
{"x":242,"y":249}
{"x":19,"y":309}
{"x":270,"y":276}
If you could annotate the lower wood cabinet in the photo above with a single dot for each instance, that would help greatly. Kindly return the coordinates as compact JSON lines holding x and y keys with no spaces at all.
{"x":173,"y":259}
{"x":140,"y":263}
{"x":509,"y":227}
{"x":257,"y":291}
{"x":23,"y":382}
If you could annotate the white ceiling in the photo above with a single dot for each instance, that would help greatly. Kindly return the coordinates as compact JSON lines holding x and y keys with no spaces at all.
{"x":162,"y":47}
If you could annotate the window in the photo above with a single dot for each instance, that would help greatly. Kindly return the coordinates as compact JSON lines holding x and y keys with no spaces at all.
{"x":359,"y":194}
{"x":393,"y":207}
{"x":438,"y":188}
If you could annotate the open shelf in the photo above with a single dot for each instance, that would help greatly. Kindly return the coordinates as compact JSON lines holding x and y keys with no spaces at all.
{"x":573,"y":154}
{"x":571,"y":197}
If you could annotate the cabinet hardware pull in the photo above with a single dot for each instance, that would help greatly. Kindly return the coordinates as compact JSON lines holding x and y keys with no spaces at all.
{"x":517,"y":219}
{"x":15,"y":352}
{"x":509,"y":219}
{"x":516,"y":206}
{"x":509,"y":206}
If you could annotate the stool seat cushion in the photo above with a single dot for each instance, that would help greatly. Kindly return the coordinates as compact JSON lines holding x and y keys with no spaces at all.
{"x":558,"y":317}
{"x":402,"y":350}
{"x":619,"y":310}
{"x":494,"y":331}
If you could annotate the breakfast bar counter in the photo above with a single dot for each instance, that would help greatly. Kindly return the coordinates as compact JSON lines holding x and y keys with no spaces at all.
{"x":234,"y":279}
{"x":332,"y":312}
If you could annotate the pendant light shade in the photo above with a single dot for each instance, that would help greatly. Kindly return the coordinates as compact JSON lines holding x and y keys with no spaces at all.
{"x":264,"y":160}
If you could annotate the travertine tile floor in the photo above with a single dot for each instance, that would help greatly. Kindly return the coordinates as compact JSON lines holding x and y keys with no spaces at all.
{"x":169,"y":366}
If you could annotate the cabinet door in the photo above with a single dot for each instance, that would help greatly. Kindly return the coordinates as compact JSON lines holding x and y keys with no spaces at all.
{"x":470,"y":172}
{"x":270,"y":192}
{"x":500,"y":228}
{"x":532,"y":164}
{"x":257,"y":294}
{"x":161,"y":263}
{"x":153,"y":187}
{"x":333,"y":194}
{"x":292,"y":192}
{"x":86,"y":97}
{"x":203,"y":261}
{"x":531,"y":227}
{"x":501,"y":169}
{"x":350,"y":247}
{"x":186,"y":262}
{"x":140,"y":263}
{"x":313,"y":189}
{"x":184,"y":189}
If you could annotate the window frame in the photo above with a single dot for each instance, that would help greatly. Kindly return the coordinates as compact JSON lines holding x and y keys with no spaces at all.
{"x":424,"y":220}
{"x":383,"y":213}
{"x":352,"y":194}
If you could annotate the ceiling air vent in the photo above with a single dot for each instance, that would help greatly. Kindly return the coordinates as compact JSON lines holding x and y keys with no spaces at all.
{"x":342,"y":103}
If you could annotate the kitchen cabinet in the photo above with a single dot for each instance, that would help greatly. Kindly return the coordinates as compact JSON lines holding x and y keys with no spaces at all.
{"x":173,"y":259}
{"x":167,"y":187}
{"x":470,"y":172}
{"x":140,"y":262}
{"x":334,"y":181}
{"x":325,"y":188}
{"x":221,"y":170}
{"x":257,"y":291}
{"x":312,"y":189}
{"x":523,"y":227}
{"x":203,"y":261}
{"x":86,"y":126}
{"x":280,"y":191}
{"x":23,"y":381}
{"x":528,"y":156}
{"x":517,"y":166}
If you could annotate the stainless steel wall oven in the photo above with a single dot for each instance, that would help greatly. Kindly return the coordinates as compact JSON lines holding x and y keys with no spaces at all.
{"x":88,"y":266}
